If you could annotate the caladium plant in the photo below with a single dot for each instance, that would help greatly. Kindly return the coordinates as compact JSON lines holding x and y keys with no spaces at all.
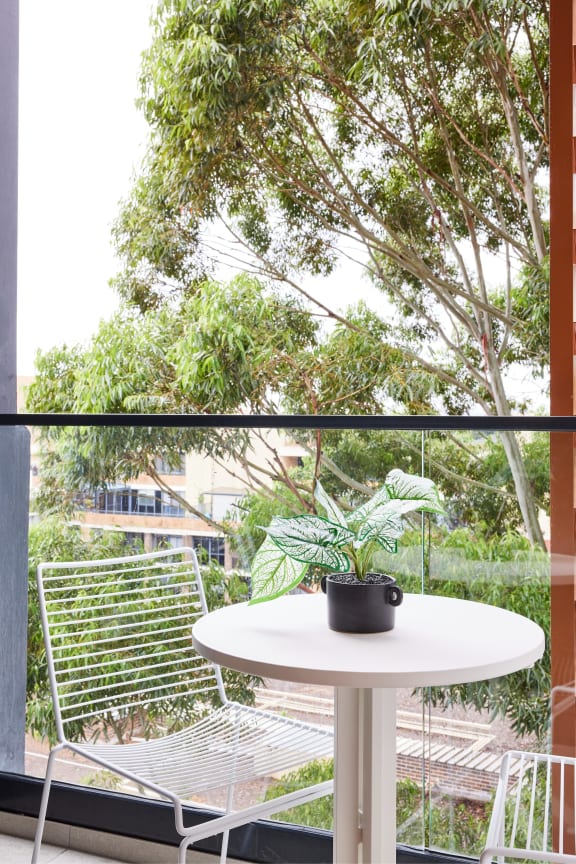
{"x":337,"y":541}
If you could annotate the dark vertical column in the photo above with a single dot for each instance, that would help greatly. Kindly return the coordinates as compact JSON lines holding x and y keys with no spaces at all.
{"x":8,"y":200}
{"x":14,"y":440}
{"x":562,"y":260}
{"x":14,"y":484}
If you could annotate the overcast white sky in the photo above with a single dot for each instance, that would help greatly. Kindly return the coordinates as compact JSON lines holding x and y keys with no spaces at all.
{"x":80,"y":138}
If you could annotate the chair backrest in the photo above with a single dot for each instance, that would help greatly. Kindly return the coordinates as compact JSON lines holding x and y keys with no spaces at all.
{"x":118,"y":638}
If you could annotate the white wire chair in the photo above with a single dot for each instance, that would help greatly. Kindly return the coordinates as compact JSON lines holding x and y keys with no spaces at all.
{"x":118,"y":641}
{"x":521,"y":821}
{"x":529,"y":785}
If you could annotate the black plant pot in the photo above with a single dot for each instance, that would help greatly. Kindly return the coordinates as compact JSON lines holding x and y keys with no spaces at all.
{"x":361,"y":606}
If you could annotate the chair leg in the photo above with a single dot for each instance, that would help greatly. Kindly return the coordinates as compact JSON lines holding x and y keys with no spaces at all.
{"x":44,"y":804}
{"x":226,"y":834}
{"x":182,"y":849}
{"x":224,"y":847}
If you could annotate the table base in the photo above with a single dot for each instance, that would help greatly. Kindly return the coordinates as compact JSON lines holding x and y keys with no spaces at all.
{"x":365,"y":776}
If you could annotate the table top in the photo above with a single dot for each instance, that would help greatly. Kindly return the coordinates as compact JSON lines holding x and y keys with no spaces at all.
{"x":436,"y":641}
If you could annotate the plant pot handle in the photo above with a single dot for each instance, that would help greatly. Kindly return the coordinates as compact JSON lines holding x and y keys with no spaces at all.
{"x":395,"y":595}
{"x":323,"y":583}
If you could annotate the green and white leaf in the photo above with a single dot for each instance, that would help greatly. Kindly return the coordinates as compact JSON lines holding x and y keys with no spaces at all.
{"x":333,"y":512}
{"x":410,"y":487}
{"x":389,"y":545}
{"x":383,"y":525}
{"x":312,"y":539}
{"x":274,"y":573}
{"x":362,"y":513}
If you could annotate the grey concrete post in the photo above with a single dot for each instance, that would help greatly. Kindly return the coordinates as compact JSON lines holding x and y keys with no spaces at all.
{"x":14,"y":440}
{"x":14,"y":485}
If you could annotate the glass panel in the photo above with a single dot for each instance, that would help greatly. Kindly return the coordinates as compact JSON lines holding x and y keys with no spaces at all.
{"x":482,"y":553}
{"x":449,"y":741}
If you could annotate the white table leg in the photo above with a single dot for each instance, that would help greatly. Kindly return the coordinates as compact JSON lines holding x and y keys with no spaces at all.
{"x":365,"y":776}
{"x":379,"y":777}
{"x":347,"y":837}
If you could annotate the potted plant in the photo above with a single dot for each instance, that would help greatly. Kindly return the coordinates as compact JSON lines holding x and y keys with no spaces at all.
{"x":358,"y":600}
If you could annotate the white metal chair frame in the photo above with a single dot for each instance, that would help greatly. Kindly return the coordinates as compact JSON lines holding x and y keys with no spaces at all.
{"x":118,"y":637}
{"x":514,"y":835}
{"x":526,"y":781}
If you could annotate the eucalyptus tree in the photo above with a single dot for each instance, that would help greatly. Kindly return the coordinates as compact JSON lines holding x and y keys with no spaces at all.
{"x":235,"y":348}
{"x":218,"y":352}
{"x":239,"y":348}
{"x":411,"y":135}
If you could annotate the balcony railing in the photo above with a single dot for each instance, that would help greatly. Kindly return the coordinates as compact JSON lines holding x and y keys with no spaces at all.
{"x":449,"y":742}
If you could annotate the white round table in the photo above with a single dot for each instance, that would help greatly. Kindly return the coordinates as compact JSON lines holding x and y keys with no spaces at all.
{"x":436,"y":641}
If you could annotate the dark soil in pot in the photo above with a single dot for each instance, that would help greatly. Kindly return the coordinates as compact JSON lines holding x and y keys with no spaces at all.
{"x":361,"y":605}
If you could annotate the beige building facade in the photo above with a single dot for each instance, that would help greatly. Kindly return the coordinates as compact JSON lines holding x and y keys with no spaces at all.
{"x":155,"y":515}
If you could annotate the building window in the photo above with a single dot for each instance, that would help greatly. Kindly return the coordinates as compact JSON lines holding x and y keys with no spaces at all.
{"x":147,"y":503}
{"x":209,"y":549}
{"x":173,"y":466}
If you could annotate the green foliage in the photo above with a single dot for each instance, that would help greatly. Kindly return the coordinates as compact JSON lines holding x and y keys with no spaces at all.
{"x":315,"y":814}
{"x":446,"y":823}
{"x":357,"y":368}
{"x":51,"y":540}
{"x":406,"y":126}
{"x":219,"y":350}
{"x":531,"y":336}
{"x":152,"y":235}
{"x":227,"y":349}
{"x":320,"y":813}
{"x":510,"y":573}
{"x":534,"y":824}
{"x":237,"y":340}
{"x":223,"y":588}
{"x":403,"y":134}
{"x":440,"y":821}
{"x":104,"y":780}
{"x":471,"y":470}
{"x":476,"y":479}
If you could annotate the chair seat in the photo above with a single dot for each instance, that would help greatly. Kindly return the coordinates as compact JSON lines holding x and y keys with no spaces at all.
{"x":235,"y":743}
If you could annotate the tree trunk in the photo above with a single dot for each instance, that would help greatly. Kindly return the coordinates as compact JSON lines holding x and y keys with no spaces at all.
{"x":523,"y":488}
{"x":513,"y":454}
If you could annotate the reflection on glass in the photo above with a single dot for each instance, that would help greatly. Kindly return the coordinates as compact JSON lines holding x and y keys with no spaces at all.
{"x":483,"y":553}
{"x":486,"y":549}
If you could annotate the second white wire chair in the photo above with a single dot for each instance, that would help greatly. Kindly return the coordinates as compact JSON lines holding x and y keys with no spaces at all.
{"x":533,"y":792}
{"x":118,"y":641}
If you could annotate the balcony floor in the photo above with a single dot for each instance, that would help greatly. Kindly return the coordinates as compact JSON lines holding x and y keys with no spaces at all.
{"x":67,"y":845}
{"x":17,"y":850}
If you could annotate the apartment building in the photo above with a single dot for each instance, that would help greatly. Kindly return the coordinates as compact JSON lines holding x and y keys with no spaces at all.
{"x":150,"y":514}
{"x":156,"y":515}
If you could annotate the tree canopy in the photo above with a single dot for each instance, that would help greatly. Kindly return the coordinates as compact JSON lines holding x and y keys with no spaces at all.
{"x":235,"y":348}
{"x":251,"y":351}
{"x":408,"y":135}
{"x":311,"y":124}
